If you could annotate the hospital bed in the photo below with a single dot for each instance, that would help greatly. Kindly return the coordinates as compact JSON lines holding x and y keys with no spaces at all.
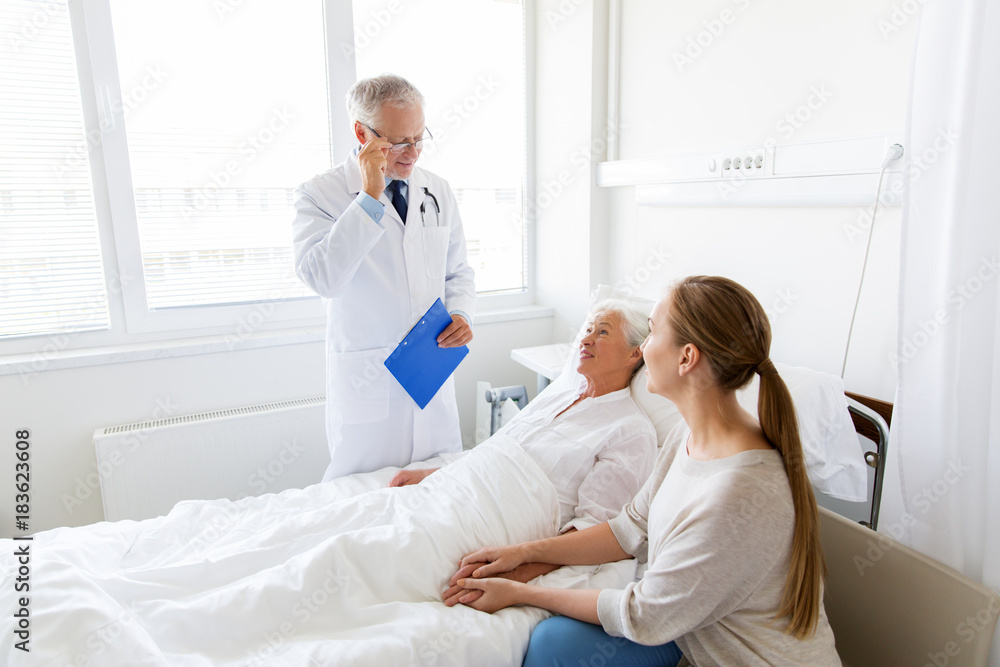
{"x":298,"y":577}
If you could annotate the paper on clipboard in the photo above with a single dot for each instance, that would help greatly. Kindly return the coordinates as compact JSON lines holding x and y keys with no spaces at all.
{"x":418,"y":364}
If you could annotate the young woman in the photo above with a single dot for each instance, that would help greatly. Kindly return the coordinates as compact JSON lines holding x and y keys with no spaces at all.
{"x":727,"y":521}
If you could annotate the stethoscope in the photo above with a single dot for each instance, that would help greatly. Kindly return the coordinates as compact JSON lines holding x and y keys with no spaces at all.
{"x":423,"y":209}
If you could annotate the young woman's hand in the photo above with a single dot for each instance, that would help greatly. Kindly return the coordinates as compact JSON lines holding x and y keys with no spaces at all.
{"x":490,"y":594}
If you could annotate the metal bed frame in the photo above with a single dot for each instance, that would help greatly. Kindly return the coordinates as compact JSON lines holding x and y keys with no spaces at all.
{"x":870,"y":424}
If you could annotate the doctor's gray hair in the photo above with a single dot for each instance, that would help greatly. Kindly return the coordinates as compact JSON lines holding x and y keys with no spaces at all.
{"x":366,"y":98}
{"x":635,"y":318}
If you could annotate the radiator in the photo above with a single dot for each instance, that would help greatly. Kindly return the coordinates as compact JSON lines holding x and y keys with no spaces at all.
{"x":147,"y":467}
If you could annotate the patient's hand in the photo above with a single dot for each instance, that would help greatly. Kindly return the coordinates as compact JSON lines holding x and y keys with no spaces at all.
{"x":407,"y":477}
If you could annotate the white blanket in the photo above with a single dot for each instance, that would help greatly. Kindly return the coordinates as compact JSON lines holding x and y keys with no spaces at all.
{"x":306,"y":577}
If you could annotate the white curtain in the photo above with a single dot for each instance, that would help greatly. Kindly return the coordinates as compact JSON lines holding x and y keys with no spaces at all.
{"x":942,"y":491}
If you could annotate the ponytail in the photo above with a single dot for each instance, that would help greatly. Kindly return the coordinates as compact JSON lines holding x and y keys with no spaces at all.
{"x":803,"y":593}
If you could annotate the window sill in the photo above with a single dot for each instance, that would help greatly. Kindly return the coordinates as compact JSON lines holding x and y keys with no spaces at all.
{"x":38,"y":362}
{"x":512,"y":314}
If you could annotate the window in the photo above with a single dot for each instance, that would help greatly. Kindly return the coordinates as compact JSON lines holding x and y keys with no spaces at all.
{"x":150,"y":152}
{"x":51,"y":275}
{"x":470,"y":68}
{"x":221,"y":128}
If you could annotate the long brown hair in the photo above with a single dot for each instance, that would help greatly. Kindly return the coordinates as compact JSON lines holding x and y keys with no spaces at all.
{"x":729,"y":327}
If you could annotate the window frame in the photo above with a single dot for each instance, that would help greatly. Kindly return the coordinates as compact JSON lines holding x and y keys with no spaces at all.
{"x":130,"y":319}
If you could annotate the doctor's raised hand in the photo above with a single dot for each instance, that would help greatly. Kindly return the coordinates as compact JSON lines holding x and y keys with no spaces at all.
{"x":372,"y":160}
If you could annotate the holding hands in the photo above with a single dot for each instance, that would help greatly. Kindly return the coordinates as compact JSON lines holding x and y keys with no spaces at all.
{"x":488,"y":579}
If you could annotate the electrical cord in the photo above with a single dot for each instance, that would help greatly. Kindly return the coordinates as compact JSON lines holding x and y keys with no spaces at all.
{"x":895,"y":152}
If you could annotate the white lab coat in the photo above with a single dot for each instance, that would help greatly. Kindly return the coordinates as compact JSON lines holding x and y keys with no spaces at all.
{"x":375,"y":283}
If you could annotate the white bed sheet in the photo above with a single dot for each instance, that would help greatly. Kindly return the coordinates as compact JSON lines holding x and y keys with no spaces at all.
{"x":343,"y":573}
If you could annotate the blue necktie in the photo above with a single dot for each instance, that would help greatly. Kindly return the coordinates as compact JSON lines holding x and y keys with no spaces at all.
{"x":398,"y":199}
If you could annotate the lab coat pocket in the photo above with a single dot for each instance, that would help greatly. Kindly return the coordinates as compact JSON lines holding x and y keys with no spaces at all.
{"x":436,"y":250}
{"x":359,"y":385}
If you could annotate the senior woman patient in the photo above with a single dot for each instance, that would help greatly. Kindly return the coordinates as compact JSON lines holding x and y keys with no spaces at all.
{"x":731,"y":579}
{"x":591,"y":440}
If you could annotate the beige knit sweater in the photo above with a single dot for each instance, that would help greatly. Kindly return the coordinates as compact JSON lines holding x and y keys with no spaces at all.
{"x":717,"y":535}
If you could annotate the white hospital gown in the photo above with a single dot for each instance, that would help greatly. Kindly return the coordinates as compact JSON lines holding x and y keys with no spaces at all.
{"x":597,"y":454}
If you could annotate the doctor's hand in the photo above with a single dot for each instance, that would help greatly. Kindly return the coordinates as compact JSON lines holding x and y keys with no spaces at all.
{"x":408,"y":477}
{"x":458,"y":333}
{"x":372,"y":161}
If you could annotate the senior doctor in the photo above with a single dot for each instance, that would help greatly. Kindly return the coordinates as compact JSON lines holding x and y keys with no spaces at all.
{"x":380,"y":239}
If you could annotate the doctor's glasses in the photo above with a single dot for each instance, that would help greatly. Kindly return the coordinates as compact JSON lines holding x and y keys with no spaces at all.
{"x":419,"y":144}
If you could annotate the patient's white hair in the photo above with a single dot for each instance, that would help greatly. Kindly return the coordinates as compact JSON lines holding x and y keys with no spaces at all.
{"x":366,"y":98}
{"x":635,"y":318}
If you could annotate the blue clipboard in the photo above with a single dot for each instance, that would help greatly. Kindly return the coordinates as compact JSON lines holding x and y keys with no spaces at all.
{"x":418,"y":364}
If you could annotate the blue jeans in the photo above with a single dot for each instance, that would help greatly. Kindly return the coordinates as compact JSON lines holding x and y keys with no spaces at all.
{"x":565,"y":642}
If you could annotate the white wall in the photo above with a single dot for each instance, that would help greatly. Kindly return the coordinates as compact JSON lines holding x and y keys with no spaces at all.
{"x":568,"y":214}
{"x":758,"y":62}
{"x":62,"y":408}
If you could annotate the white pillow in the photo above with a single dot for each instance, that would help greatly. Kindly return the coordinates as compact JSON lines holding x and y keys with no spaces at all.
{"x":833,"y":453}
